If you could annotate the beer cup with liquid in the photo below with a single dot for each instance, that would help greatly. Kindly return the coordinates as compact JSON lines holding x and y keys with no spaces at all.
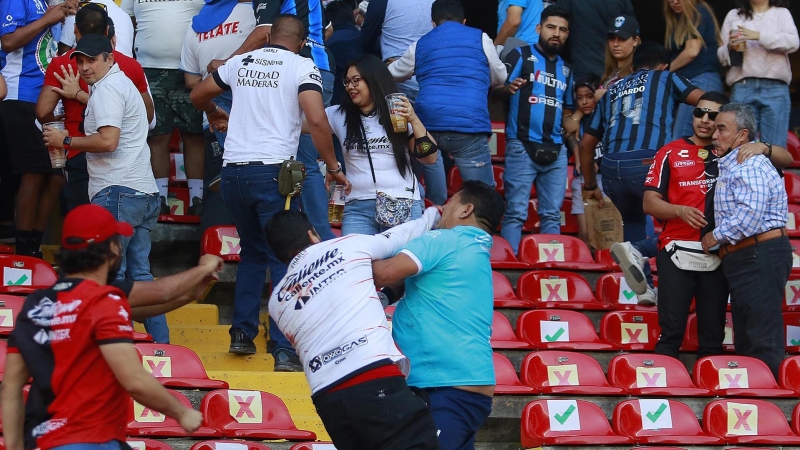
{"x":399,"y":123}
{"x":58,"y":156}
{"x":336,"y":204}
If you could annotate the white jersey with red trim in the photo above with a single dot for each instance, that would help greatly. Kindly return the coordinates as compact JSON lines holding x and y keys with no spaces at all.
{"x":327,"y":306}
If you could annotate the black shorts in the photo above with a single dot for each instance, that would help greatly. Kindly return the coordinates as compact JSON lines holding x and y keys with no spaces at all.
{"x":26,"y":148}
{"x":379,"y":414}
{"x":77,"y":190}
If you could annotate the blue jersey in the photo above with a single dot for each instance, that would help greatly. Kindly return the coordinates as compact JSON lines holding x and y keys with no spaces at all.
{"x":24,"y":68}
{"x":531,"y":15}
{"x":444,"y":323}
{"x":310,"y":12}
{"x":536,"y":109}
{"x":636,"y":112}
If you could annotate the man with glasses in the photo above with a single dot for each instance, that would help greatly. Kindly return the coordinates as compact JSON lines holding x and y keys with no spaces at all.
{"x":679,"y":192}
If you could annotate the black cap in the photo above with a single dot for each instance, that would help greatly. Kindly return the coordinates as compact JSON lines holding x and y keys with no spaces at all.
{"x":92,"y":45}
{"x":625,"y":27}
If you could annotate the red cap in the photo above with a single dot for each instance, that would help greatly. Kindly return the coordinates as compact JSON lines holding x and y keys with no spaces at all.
{"x":90,"y":224}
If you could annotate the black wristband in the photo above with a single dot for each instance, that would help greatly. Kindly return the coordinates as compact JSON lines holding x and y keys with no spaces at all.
{"x":424,"y":146}
{"x":589,"y":188}
{"x":390,"y":295}
{"x":769,"y":149}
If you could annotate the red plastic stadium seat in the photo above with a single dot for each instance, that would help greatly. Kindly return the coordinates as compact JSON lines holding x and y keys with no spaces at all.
{"x":612,"y":288}
{"x":567,"y":422}
{"x":739,"y":376}
{"x":313,"y":446}
{"x":791,"y":294}
{"x":6,"y":249}
{"x":250,"y":414}
{"x":177,"y":367}
{"x":222,"y":241}
{"x":792,"y":222}
{"x":178,"y":202}
{"x":796,"y":419}
{"x":660,"y":421}
{"x":175,"y":144}
{"x":142,"y":337}
{"x":631,"y":330}
{"x":3,"y":351}
{"x":497,"y":142}
{"x":229,"y":445}
{"x":24,"y":274}
{"x":506,"y":378}
{"x":790,"y":374}
{"x":143,"y":421}
{"x":10,"y":306}
{"x":748,"y":422}
{"x":603,"y":256}
{"x":560,"y":372}
{"x":795,"y":255}
{"x":504,"y":296}
{"x":503,"y":336}
{"x":691,"y":342}
{"x":652,"y":375}
{"x":177,"y":172}
{"x":558,"y":289}
{"x":569,"y":223}
{"x":791,"y":323}
{"x":792,"y":183}
{"x":147,"y":444}
{"x":555,"y":251}
{"x":559,"y":329}
{"x":454,"y":180}
{"x":793,"y":146}
{"x":502,"y":255}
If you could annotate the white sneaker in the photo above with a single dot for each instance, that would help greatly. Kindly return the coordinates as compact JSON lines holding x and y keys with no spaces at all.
{"x":649,"y":298}
{"x":632,"y":264}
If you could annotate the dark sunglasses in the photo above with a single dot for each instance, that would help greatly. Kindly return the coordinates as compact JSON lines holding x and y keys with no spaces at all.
{"x":700,"y":112}
{"x":87,"y":3}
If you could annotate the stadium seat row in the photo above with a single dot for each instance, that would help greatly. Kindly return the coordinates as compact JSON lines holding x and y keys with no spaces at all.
{"x":221,"y":444}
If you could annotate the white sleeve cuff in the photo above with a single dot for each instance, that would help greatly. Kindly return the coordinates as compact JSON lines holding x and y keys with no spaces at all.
{"x":413,"y":258}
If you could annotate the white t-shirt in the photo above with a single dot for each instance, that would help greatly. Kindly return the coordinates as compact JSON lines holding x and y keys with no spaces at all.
{"x":327,"y":307}
{"x":389,"y":179}
{"x":265,"y":118}
{"x":160,"y":28}
{"x":114,"y":101}
{"x":200,"y":48}
{"x":123,"y":28}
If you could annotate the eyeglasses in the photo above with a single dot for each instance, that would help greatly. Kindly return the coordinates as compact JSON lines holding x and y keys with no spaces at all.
{"x":87,"y":3}
{"x":700,"y":112}
{"x":354,"y":81}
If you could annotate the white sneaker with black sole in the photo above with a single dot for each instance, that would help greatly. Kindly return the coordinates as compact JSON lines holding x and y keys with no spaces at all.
{"x":649,"y":298}
{"x":632,"y":264}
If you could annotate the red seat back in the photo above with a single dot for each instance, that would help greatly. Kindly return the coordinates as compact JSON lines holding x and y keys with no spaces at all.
{"x":791,"y":323}
{"x":222,"y":241}
{"x":502,"y":255}
{"x":313,"y":446}
{"x":644,"y":418}
{"x":548,"y":368}
{"x":791,"y":294}
{"x":542,"y":329}
{"x":178,"y":201}
{"x":504,"y":295}
{"x":792,"y":183}
{"x":612,"y":288}
{"x":10,"y":306}
{"x":724,"y":372}
{"x":228,"y":445}
{"x":506,"y":379}
{"x":454,"y":180}
{"x":143,"y":421}
{"x":250,"y":414}
{"x":631,"y":330}
{"x":557,"y":289}
{"x":793,"y":146}
{"x":503,"y":335}
{"x":789,"y":375}
{"x":555,"y":251}
{"x":24,"y":274}
{"x":497,"y":142}
{"x":176,"y":366}
{"x":566,"y":422}
{"x":569,"y":222}
{"x":691,"y":340}
{"x":736,"y":418}
{"x":147,"y":444}
{"x":640,"y":371}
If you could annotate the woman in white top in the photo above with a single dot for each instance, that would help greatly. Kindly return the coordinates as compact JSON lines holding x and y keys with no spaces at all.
{"x":377,"y":158}
{"x":760,"y":75}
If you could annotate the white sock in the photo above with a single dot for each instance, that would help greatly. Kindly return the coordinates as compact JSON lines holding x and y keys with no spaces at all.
{"x":195,"y":189}
{"x":163,"y":187}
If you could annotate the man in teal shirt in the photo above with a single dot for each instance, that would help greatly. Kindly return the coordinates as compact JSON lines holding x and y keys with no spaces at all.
{"x":444,"y":323}
{"x":518,"y":19}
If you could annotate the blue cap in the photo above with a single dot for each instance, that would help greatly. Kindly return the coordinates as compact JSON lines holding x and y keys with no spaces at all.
{"x":212,"y":15}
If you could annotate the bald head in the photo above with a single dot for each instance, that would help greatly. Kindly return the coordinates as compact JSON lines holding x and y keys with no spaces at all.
{"x":288,"y":31}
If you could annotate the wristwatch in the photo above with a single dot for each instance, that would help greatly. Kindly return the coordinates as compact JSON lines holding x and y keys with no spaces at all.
{"x":769,"y":149}
{"x":589,"y":188}
{"x":336,"y":170}
{"x":67,"y":141}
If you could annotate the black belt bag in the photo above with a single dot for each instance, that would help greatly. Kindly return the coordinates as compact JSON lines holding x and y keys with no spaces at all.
{"x":542,"y":153}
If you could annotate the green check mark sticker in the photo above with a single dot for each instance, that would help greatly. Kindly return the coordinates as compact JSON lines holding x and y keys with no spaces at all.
{"x":795,"y":342}
{"x":182,"y":169}
{"x":628,"y":294}
{"x":19,"y":282}
{"x":653,"y":416}
{"x":555,"y":336}
{"x":561,"y":418}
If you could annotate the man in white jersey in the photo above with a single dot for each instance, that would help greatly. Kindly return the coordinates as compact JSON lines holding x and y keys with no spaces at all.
{"x":123,"y":28}
{"x":272,"y":88}
{"x":328,"y":308}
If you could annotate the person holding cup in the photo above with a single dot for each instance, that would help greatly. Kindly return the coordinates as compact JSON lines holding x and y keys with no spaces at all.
{"x":756,"y":40}
{"x":378,"y":130}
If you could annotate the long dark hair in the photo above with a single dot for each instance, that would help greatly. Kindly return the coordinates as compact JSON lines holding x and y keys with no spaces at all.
{"x":380,"y":82}
{"x":746,"y":9}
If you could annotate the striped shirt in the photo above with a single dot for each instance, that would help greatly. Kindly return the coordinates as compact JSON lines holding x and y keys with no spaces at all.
{"x":535,"y":110}
{"x":750,"y":198}
{"x":636,"y":112}
{"x":311,"y":14}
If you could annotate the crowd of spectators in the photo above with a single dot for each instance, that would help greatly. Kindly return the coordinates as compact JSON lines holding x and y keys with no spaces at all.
{"x":250,"y":85}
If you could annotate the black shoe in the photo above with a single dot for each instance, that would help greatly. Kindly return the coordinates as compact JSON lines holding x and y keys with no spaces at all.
{"x":197,"y":207}
{"x":164,"y":206}
{"x":8,"y":234}
{"x":241,"y":344}
{"x":285,"y":361}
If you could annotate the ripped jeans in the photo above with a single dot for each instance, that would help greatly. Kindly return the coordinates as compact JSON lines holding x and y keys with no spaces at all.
{"x":470,"y":153}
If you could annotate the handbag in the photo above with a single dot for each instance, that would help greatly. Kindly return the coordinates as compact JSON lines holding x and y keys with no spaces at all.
{"x":542,"y":153}
{"x":291,"y":178}
{"x":390,"y":211}
{"x":689,"y":255}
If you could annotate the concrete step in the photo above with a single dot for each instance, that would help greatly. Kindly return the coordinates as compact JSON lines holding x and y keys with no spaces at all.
{"x":225,"y":362}
{"x":194,"y":314}
{"x":206,"y":338}
{"x":284,"y":382}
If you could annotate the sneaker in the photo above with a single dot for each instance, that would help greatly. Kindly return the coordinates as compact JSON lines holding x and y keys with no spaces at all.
{"x":649,"y":298}
{"x":285,"y":361}
{"x":241,"y":344}
{"x":632,"y":264}
{"x":8,"y":234}
{"x":197,"y":207}
{"x":164,"y":206}
{"x":213,"y":185}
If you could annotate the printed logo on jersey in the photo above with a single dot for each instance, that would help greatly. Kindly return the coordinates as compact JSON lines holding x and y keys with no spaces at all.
{"x":43,"y":337}
{"x":548,"y":79}
{"x":300,"y":286}
{"x":46,"y":427}
{"x":533,"y":58}
{"x":335,"y":354}
{"x":45,"y":313}
{"x":222,"y":30}
{"x":46,"y":49}
{"x":547,"y":100}
{"x":41,"y":8}
{"x":630,"y":85}
{"x":678,"y":164}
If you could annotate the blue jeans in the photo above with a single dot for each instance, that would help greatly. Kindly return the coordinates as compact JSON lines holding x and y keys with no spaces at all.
{"x":458,"y":415}
{"x":771,"y":105}
{"x":359,"y":217}
{"x":551,"y":181}
{"x":140,"y":210}
{"x":470,"y":153}
{"x":251,"y":193}
{"x":110,"y":445}
{"x":315,"y":194}
{"x":708,"y":81}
